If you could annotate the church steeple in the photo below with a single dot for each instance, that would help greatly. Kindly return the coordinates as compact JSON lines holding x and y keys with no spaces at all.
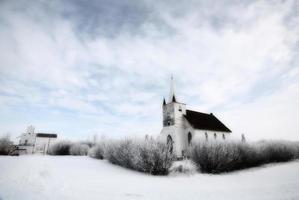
{"x":173,"y":99}
{"x":164,"y":102}
{"x":172,"y":95}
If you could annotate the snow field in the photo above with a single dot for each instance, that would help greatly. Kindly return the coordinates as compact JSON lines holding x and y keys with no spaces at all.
{"x":80,"y":177}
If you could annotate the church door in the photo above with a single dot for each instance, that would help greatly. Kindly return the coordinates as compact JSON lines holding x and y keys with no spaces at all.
{"x":189,"y":138}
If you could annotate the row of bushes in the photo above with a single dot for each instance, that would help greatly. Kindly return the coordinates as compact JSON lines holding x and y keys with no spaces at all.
{"x":69,"y":148}
{"x":213,"y":157}
{"x":147,"y":156}
{"x":5,"y":145}
{"x":152,"y":157}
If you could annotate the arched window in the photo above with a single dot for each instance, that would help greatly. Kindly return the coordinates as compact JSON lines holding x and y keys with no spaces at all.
{"x":223,"y":136}
{"x":189,"y":138}
{"x":169,"y":143}
{"x":243,"y":138}
{"x":207,"y":137}
{"x":215,"y":135}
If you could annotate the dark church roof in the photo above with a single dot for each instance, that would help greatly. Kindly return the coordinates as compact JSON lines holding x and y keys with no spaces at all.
{"x":48,"y":135}
{"x":205,"y":121}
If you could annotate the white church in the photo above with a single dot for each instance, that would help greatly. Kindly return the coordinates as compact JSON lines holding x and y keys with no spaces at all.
{"x":181,"y":126}
{"x":31,"y":142}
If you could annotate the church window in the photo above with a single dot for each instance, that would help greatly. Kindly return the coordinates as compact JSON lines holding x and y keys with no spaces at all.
{"x":207,"y":137}
{"x":243,"y":138}
{"x":215,"y":135}
{"x":26,"y":141}
{"x":189,"y":138}
{"x":223,"y":136}
{"x":169,"y":144}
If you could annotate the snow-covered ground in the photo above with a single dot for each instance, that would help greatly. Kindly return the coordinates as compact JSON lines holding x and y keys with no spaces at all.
{"x":68,"y":177}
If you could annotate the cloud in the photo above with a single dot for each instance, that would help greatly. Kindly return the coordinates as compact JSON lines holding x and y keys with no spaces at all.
{"x":273,"y":116}
{"x":105,"y":65}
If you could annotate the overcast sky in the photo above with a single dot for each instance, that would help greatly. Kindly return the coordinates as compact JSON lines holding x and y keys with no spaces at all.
{"x":80,"y":68}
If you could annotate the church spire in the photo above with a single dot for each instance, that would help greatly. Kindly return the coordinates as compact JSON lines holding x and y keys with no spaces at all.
{"x":172,"y":95}
{"x":164,"y":102}
{"x":173,"y":99}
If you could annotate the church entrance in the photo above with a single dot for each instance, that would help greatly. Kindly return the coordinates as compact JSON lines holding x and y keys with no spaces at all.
{"x":189,"y":139}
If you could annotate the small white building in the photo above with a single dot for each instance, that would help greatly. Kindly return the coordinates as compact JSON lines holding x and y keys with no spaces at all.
{"x":181,"y":126}
{"x":31,"y":142}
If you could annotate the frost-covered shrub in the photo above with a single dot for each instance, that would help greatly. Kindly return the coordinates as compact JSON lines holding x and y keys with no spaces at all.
{"x":5,"y":145}
{"x":297,"y":150}
{"x":215,"y":157}
{"x":183,"y":167}
{"x":60,"y":148}
{"x":278,"y":151}
{"x":79,"y":149}
{"x":88,"y":143}
{"x":97,"y":151}
{"x":121,"y":153}
{"x":218,"y":157}
{"x":153,"y":157}
{"x":146,"y":156}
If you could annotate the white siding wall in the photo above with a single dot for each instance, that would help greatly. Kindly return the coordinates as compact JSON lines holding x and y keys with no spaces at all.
{"x":35,"y":144}
{"x":200,"y":135}
{"x":26,"y":149}
{"x":29,"y":137}
{"x":42,"y":144}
